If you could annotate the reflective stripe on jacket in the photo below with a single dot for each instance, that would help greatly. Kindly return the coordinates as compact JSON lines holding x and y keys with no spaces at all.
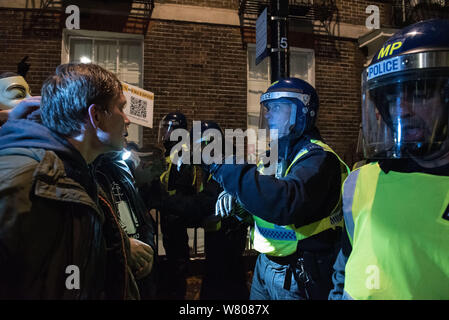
{"x":276,"y":240}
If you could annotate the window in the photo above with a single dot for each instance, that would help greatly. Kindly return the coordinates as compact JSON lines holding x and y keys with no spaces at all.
{"x":120,"y":53}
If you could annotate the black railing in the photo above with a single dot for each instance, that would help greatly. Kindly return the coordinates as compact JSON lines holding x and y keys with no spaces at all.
{"x":196,"y":241}
{"x":406,"y":12}
{"x":321,"y":10}
{"x":131,"y":16}
{"x":324,"y":11}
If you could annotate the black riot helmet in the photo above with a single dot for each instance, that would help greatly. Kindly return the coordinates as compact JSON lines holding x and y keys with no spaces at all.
{"x":289,"y":106}
{"x":405,"y":94}
{"x":169,"y":123}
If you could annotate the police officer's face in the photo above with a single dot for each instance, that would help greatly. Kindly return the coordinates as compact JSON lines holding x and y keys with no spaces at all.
{"x":278,"y":115}
{"x":12,"y":91}
{"x":416,"y":109}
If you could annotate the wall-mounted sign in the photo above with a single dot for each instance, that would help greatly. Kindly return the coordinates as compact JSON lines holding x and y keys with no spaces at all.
{"x":139,"y":106}
{"x":261,"y":37}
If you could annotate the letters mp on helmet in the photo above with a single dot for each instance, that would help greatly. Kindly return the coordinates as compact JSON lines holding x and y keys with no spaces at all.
{"x":405,"y":94}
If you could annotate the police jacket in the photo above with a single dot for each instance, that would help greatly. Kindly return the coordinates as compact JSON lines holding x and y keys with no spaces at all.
{"x":309,"y":192}
{"x":193,"y":208}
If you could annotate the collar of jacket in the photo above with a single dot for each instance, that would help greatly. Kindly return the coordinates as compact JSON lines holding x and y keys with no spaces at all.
{"x":50,"y":179}
{"x":294,"y":143}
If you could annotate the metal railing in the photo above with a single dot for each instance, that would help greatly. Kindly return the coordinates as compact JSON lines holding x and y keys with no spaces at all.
{"x":406,"y":12}
{"x":196,"y":240}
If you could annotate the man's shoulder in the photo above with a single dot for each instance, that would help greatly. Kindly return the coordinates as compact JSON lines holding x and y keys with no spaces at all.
{"x":20,"y":162}
{"x":17,"y":159}
{"x":24,"y":154}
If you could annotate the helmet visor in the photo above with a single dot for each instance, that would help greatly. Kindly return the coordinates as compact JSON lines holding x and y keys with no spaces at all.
{"x":278,"y":116}
{"x":166,"y":127}
{"x":405,"y":114}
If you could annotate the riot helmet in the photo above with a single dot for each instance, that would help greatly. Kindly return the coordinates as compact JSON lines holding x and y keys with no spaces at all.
{"x":405,"y":94}
{"x":289,"y":106}
{"x":207,"y":138}
{"x":209,"y":130}
{"x":169,"y":123}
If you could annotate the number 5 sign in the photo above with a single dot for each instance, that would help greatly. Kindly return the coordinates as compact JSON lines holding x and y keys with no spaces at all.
{"x":283,"y":43}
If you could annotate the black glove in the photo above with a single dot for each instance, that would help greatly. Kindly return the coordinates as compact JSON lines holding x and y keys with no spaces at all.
{"x":23,"y":67}
{"x":214,"y":166}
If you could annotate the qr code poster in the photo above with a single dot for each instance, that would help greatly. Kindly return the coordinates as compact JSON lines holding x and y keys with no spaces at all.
{"x":139,"y":106}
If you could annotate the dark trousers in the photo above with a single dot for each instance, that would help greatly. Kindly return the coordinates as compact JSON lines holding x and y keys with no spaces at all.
{"x":173,"y":271}
{"x":225,"y":275}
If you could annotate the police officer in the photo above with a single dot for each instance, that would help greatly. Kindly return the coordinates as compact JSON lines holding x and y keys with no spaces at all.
{"x":176,"y":179}
{"x":224,"y":239}
{"x":396,"y":208}
{"x":296,"y":211}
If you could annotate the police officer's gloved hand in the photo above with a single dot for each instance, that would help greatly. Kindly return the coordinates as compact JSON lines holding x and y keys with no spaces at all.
{"x":224,"y":205}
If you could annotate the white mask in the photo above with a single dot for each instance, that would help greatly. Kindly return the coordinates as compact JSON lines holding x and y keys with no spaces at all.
{"x":12,"y":91}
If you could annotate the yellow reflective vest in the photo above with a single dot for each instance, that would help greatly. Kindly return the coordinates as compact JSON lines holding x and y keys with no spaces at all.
{"x":398,"y":224}
{"x":276,"y":240}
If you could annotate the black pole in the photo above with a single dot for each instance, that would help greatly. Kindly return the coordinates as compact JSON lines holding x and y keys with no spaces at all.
{"x":279,"y":54}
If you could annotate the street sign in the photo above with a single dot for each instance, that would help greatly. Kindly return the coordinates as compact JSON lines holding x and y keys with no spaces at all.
{"x":261,"y":37}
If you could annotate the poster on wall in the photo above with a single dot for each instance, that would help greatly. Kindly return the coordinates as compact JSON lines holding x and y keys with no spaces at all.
{"x":139,"y":106}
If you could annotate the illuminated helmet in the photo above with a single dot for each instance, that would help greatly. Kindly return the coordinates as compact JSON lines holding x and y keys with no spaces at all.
{"x":405,"y":94}
{"x":206,"y":138}
{"x":290,"y":106}
{"x":206,"y":135}
{"x":169,"y":123}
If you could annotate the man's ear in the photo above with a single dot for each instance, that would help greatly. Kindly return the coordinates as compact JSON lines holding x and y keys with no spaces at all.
{"x":94,"y":114}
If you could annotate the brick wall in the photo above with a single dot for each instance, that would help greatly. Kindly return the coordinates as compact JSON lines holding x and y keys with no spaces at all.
{"x":338,"y":67}
{"x":200,"y":69}
{"x":44,"y":51}
{"x":197,"y":69}
{"x":353,"y":11}
{"x":224,"y":4}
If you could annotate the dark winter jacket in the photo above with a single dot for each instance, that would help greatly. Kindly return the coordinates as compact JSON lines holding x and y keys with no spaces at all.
{"x":50,"y":220}
{"x":117,"y":181}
